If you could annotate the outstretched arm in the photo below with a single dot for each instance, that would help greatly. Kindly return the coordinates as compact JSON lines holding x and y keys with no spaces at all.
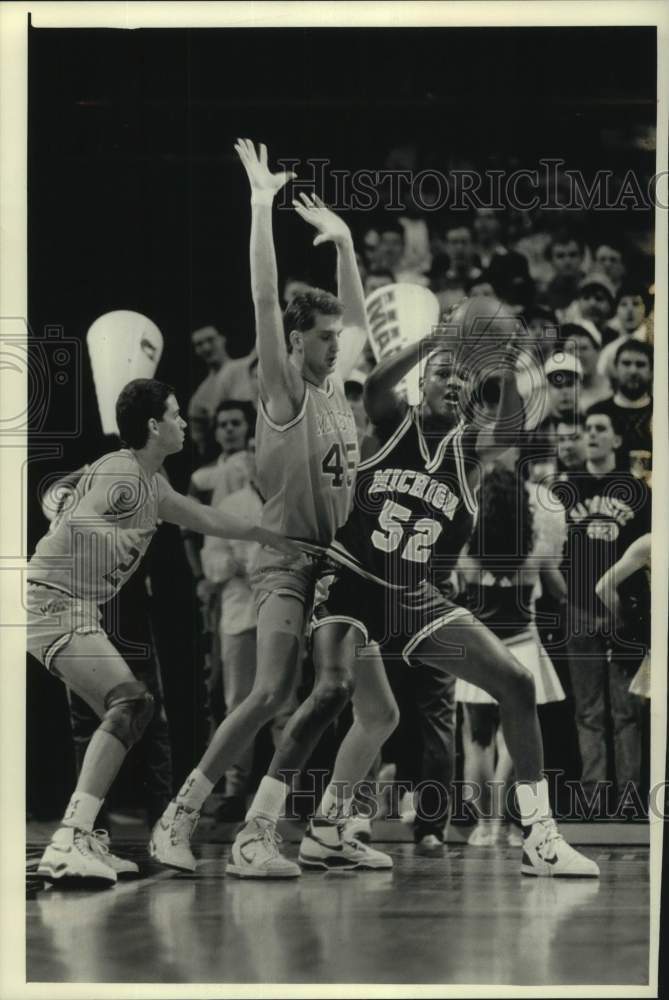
{"x":278,"y":379}
{"x":331,"y":228}
{"x":381,"y":401}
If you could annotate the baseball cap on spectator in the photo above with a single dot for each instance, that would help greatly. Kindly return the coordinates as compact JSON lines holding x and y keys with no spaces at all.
{"x":562,"y":361}
{"x":600,"y":280}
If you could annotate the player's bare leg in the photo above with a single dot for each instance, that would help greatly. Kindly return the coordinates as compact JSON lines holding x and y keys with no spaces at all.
{"x":255,"y":854}
{"x":326,"y":843}
{"x":489,"y":664}
{"x":92,"y":668}
{"x":280,"y":628}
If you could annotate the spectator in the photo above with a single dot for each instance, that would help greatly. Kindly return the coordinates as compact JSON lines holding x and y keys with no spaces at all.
{"x":571,"y":446}
{"x":392,"y":250}
{"x":609,"y":260}
{"x":593,"y":306}
{"x":631,"y":406}
{"x":239,"y":379}
{"x":586,"y":343}
{"x":565,"y":254}
{"x":294,"y":286}
{"x":453,"y":273}
{"x":553,"y":402}
{"x":209,"y":348}
{"x":606,"y":510}
{"x":629,"y":321}
{"x":505,"y":270}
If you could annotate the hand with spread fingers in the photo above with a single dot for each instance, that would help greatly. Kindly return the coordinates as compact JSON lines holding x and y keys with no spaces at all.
{"x":261,"y":179}
{"x":330,"y":227}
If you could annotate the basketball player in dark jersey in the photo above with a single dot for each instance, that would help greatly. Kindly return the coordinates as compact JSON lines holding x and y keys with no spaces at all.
{"x":415,"y":500}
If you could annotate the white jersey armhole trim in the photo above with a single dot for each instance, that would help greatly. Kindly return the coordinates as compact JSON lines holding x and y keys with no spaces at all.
{"x":467,"y":495}
{"x":439,"y":453}
{"x":291,"y":423}
{"x":390,"y":443}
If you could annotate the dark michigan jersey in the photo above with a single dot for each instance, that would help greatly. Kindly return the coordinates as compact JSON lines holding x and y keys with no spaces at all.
{"x":412,"y":511}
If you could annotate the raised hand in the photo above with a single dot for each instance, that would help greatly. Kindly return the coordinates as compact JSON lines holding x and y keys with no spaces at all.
{"x":330,"y":227}
{"x":261,"y":179}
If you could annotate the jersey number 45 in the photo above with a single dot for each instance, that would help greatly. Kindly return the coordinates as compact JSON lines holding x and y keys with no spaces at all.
{"x":393,"y":528}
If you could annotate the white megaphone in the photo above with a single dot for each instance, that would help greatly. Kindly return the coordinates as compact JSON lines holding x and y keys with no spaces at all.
{"x":122,"y":346}
{"x":399,"y":315}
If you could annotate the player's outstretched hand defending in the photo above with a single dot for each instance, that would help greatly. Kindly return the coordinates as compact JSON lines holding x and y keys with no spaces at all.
{"x":261,"y":179}
{"x":330,"y":227}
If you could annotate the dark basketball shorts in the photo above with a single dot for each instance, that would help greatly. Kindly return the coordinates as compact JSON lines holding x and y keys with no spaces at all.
{"x":405,"y":617}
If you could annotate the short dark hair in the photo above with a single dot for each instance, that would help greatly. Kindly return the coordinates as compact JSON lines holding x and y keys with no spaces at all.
{"x":631,"y":289}
{"x":561,"y":238}
{"x":139,"y":401}
{"x":570,"y":330}
{"x":302,"y":311}
{"x":637,"y":347}
{"x":573,"y":419}
{"x":600,"y":410}
{"x":245,"y":408}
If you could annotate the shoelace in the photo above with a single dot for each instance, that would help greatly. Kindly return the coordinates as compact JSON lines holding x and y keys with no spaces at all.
{"x":551,"y":833}
{"x":271,"y":839}
{"x":183,"y":825}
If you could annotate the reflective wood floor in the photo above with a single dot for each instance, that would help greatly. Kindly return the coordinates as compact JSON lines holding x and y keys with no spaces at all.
{"x":468,"y":917}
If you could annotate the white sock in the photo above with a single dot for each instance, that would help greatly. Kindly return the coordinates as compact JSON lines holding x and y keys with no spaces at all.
{"x":195,"y":790}
{"x":269,"y":800}
{"x":533,"y":802}
{"x":334,"y":805}
{"x":82,"y":810}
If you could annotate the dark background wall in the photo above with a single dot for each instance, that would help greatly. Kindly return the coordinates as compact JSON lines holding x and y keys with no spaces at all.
{"x":137,"y":201}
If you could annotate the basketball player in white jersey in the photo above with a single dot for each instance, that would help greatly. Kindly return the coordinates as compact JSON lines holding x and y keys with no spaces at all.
{"x":84,"y":560}
{"x":307,"y":455}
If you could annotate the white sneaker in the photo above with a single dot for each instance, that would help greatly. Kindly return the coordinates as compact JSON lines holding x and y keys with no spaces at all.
{"x":99,"y":844}
{"x":72,"y":857}
{"x":546,"y":852}
{"x":170,"y":838}
{"x":256,"y":854}
{"x":358,"y":828}
{"x":325,"y":845}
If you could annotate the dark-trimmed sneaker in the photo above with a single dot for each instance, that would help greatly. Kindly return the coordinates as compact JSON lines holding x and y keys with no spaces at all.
{"x":256,"y":854}
{"x":171,"y":836}
{"x":547,"y":853}
{"x":326,"y":846}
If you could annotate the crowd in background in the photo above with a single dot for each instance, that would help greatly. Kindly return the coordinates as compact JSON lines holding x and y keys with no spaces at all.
{"x":587,"y":308}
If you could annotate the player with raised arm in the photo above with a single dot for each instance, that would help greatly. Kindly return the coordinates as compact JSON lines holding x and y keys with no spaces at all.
{"x":414,"y":506}
{"x":98,"y":542}
{"x":307,"y":455}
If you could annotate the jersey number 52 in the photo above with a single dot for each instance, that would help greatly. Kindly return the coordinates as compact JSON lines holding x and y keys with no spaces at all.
{"x":393,"y":524}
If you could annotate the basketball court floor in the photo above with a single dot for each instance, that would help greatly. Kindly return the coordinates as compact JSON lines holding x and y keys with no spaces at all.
{"x":466,"y":917}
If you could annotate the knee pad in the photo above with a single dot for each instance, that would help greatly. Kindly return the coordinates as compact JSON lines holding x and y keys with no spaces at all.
{"x":128,"y":711}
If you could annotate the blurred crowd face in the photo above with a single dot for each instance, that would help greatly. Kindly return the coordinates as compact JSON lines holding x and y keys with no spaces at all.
{"x":231,"y":431}
{"x":459,"y":247}
{"x":374,"y":281}
{"x":447,"y":386}
{"x":594,"y":304}
{"x":601,"y":439}
{"x":482,"y":290}
{"x":567,"y":258}
{"x":571,"y":446}
{"x":631,"y":312}
{"x":610,"y":261}
{"x":209,"y":346}
{"x":391,"y":249}
{"x":586,"y":352}
{"x":634,"y":375}
{"x":486,"y":227}
{"x":562,"y":393}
